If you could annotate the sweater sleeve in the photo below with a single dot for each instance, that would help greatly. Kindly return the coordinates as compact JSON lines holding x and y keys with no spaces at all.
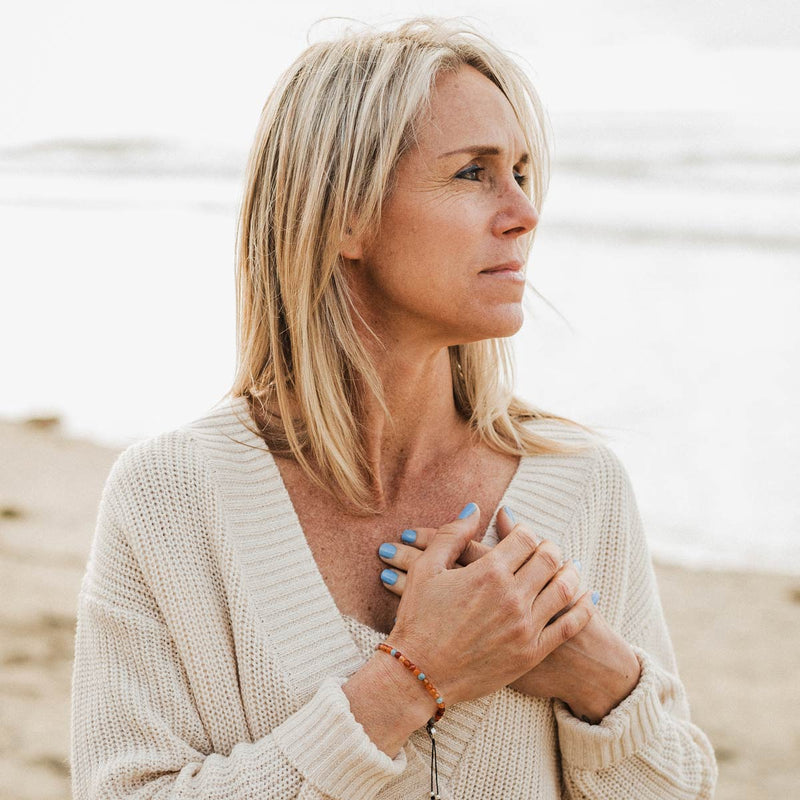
{"x":647,"y":747}
{"x":139,"y":729}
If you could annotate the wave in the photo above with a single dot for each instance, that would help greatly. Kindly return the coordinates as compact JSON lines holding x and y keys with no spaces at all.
{"x":124,"y":156}
{"x":611,"y":158}
{"x":646,"y":235}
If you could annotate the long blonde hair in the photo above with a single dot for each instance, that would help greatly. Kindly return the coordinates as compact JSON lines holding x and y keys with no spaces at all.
{"x":322,"y":163}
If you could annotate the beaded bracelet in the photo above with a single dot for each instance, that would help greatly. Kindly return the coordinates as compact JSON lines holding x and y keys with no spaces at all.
{"x":433,"y":692}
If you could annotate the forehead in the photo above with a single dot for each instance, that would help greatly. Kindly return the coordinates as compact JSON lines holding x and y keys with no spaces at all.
{"x":465,"y":108}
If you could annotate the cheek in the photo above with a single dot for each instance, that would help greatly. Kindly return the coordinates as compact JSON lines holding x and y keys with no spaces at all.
{"x":442,"y":247}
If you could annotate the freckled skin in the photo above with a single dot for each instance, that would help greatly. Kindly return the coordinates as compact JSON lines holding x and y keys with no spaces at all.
{"x":417,"y":278}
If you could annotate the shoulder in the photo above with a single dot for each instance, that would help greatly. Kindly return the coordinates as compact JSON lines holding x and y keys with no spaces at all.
{"x":168,"y":456}
{"x":593,"y":464}
{"x":178,"y":459}
{"x":586,"y":444}
{"x":186,"y":470}
{"x":157,"y":478}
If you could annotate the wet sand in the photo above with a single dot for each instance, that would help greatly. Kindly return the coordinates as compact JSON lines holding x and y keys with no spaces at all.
{"x":736,"y":635}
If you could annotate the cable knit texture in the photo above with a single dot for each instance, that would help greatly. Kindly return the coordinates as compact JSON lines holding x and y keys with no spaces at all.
{"x":210,"y":655}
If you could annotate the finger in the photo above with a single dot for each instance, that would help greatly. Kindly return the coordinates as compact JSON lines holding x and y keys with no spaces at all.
{"x":394,"y":580}
{"x":504,"y":522}
{"x":557,"y":595}
{"x":517,"y":547}
{"x":418,"y":537}
{"x":399,"y":555}
{"x":400,"y":579}
{"x":540,"y":569}
{"x":577,"y":565}
{"x":422,"y":537}
{"x":451,"y":540}
{"x":569,"y":624}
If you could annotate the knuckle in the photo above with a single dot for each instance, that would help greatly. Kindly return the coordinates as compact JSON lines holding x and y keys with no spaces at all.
{"x":518,"y":624}
{"x":564,"y":589}
{"x":525,"y":537}
{"x":494,"y":572}
{"x":587,"y":610}
{"x":512,"y":607}
{"x":570,"y":625}
{"x":581,"y":614}
{"x":549,"y":555}
{"x":573,"y":573}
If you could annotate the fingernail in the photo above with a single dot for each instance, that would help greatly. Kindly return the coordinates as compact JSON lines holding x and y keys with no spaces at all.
{"x":468,"y":509}
{"x":387,"y":550}
{"x":409,"y":536}
{"x":595,"y":597}
{"x":389,"y":576}
{"x":509,"y":513}
{"x":577,"y":564}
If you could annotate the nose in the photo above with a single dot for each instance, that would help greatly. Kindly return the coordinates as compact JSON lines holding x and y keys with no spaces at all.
{"x":517,"y":214}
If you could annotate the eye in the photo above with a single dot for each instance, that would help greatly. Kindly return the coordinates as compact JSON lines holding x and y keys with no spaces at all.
{"x":470,"y":173}
{"x":521,"y":179}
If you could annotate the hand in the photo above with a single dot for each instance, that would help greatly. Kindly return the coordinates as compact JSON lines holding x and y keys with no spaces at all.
{"x":592,"y":672}
{"x":480,"y":627}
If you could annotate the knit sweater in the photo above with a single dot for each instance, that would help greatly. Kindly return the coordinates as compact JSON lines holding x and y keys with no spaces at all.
{"x":210,"y":655}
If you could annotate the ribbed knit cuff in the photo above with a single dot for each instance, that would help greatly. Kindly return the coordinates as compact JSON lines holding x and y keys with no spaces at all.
{"x":624,"y":731}
{"x":326,"y":744}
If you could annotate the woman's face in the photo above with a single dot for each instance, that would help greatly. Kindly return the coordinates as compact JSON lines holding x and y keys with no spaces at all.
{"x":456,"y":214}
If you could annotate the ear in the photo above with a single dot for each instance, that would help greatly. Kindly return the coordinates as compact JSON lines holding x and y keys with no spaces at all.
{"x":351,"y":248}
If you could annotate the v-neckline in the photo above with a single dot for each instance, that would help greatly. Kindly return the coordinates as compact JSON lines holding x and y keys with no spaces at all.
{"x":489,"y":537}
{"x":283,"y":586}
{"x":290,"y":615}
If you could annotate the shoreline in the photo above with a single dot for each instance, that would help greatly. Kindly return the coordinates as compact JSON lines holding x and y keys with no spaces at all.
{"x":736,"y":634}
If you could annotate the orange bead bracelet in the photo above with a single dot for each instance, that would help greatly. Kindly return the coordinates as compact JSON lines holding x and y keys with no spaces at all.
{"x":419,"y":674}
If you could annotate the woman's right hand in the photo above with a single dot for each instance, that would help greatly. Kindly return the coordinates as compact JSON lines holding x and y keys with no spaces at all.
{"x":478,"y":628}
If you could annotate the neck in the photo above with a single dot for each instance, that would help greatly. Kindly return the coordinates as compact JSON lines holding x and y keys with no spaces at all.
{"x":423,"y":428}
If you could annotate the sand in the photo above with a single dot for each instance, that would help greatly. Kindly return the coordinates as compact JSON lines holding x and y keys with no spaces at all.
{"x":736,"y":635}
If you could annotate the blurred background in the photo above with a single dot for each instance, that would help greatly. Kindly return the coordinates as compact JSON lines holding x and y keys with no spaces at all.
{"x":665,"y":311}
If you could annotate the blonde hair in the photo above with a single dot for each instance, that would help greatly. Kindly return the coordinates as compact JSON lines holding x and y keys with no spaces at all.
{"x":330,"y":135}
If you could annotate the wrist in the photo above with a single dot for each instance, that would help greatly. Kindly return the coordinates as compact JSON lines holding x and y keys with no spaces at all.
{"x":591,"y":702}
{"x":418,"y":674}
{"x":386,"y":702}
{"x":412,"y":691}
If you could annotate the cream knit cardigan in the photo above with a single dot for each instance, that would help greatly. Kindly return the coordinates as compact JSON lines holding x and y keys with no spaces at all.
{"x":209,"y":654}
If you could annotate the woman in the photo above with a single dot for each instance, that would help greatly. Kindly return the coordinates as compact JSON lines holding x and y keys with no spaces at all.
{"x":234,"y":597}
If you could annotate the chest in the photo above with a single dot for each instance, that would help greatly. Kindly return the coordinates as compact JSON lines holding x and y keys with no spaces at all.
{"x":345,"y":546}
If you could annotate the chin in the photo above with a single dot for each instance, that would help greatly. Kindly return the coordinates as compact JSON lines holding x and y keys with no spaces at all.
{"x":498,"y":327}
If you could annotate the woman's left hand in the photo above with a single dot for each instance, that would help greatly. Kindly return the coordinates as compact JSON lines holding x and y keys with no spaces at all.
{"x":592,"y":672}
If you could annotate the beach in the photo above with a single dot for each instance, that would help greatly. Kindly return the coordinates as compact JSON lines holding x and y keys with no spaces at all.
{"x":736,"y":634}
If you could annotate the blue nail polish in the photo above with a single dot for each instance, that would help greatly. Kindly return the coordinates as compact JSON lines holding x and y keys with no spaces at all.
{"x":509,"y":513}
{"x":389,"y":576}
{"x":409,"y":536}
{"x":577,"y":563}
{"x":387,"y":550}
{"x":468,"y":509}
{"x":595,"y":597}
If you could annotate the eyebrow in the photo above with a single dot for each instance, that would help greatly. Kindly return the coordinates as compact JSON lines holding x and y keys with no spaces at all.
{"x":482,"y":150}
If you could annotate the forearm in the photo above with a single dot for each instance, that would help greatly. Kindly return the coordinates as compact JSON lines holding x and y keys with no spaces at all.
{"x":601,"y":680}
{"x":645,"y":747}
{"x":592,"y":673}
{"x":388,"y":703}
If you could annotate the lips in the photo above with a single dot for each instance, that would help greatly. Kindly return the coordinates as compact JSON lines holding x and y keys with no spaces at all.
{"x":511,"y":266}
